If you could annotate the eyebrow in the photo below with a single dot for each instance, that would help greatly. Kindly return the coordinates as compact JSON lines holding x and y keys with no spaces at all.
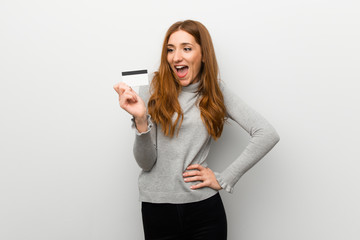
{"x":183,"y":44}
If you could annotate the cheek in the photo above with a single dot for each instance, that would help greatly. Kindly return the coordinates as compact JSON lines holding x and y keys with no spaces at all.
{"x":168,"y":58}
{"x":198,"y":63}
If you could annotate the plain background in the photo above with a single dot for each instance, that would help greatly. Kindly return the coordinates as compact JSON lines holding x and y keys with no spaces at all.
{"x":67,"y":169}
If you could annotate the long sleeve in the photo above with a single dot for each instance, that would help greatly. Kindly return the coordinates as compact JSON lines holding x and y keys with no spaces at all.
{"x":144,"y":149}
{"x":263,"y":139}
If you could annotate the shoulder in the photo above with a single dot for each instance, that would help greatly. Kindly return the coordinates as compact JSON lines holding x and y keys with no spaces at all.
{"x":227,"y":92}
{"x":233,"y":102}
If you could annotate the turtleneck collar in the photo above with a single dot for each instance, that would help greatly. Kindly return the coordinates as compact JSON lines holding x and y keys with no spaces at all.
{"x":191,"y":88}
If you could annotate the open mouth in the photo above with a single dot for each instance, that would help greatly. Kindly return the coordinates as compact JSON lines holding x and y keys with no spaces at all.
{"x":181,"y":71}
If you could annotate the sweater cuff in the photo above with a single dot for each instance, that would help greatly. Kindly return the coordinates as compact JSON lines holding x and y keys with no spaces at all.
{"x":226,"y":186}
{"x":149,"y":127}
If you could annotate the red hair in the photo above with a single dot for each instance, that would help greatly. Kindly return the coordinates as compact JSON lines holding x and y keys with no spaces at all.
{"x":165,"y":87}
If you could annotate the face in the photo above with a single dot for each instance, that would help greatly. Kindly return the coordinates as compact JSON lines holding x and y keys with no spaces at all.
{"x":184,"y":57}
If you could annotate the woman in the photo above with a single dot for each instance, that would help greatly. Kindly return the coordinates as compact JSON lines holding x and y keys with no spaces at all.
{"x":175,"y":120}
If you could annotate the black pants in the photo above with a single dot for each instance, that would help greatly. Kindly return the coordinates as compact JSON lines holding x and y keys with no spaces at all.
{"x":204,"y":220}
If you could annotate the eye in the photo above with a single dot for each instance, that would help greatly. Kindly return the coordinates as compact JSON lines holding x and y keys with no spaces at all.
{"x":170,"y":50}
{"x":187,"y":49}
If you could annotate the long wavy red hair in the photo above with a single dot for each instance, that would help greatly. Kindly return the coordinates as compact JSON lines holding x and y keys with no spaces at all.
{"x":165,"y":87}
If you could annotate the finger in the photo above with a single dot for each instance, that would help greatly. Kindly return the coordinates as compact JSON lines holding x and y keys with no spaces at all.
{"x":193,"y":179}
{"x":197,"y":186}
{"x":127,"y":94}
{"x":117,"y":88}
{"x":191,"y":173}
{"x":130,"y":91}
{"x":127,"y":98}
{"x":195,"y":166}
{"x":122,"y":90}
{"x":121,"y":87}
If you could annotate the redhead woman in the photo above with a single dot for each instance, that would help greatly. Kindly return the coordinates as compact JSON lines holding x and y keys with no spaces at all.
{"x":175,"y":120}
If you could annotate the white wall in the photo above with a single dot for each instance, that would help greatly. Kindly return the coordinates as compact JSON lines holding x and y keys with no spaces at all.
{"x":67,"y":170}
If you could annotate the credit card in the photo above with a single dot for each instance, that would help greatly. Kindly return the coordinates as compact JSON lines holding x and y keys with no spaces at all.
{"x":135,"y":78}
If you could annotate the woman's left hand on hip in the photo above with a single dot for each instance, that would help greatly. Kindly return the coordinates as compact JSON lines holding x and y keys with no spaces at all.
{"x":203,"y":174}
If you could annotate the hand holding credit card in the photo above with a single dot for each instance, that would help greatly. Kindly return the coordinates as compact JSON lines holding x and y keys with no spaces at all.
{"x":135,"y":78}
{"x":129,"y":99}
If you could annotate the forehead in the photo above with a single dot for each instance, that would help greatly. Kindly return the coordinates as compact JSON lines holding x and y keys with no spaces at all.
{"x":180,"y":37}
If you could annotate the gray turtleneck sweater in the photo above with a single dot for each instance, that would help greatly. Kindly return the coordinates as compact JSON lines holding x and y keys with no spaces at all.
{"x":163,"y":159}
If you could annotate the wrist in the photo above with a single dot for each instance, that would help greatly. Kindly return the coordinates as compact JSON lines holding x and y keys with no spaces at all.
{"x":140,"y":120}
{"x":141,"y":123}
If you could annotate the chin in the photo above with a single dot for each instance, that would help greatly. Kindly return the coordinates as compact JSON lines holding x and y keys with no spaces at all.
{"x":184,"y":83}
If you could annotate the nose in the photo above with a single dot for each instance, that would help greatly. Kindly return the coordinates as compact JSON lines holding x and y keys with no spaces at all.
{"x":177,"y":56}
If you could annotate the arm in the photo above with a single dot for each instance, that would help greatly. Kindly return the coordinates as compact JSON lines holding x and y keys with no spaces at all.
{"x":144,"y":148}
{"x":263,"y":139}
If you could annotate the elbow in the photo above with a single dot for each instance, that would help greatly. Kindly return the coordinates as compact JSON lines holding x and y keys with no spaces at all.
{"x":146,"y":161}
{"x":146,"y":164}
{"x":146,"y":167}
{"x":268,"y":134}
{"x":275,"y":136}
{"x":272,"y":135}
